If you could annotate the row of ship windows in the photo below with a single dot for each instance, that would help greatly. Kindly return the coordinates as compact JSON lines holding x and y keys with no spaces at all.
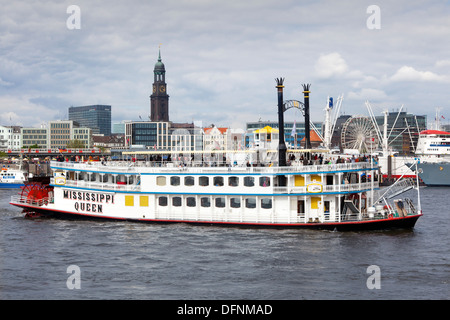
{"x":205,"y":202}
{"x":218,"y":181}
{"x":219,"y":202}
{"x":436,"y":149}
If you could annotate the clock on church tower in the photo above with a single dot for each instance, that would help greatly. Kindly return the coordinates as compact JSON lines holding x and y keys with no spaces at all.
{"x":159,"y":100}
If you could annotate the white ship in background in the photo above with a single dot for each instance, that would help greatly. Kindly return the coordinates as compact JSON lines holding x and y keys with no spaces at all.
{"x":433,"y":153}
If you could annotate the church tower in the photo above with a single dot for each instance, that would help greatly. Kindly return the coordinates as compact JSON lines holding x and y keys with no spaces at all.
{"x":159,"y":100}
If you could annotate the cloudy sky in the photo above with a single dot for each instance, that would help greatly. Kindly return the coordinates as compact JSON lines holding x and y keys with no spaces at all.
{"x":222,"y":57}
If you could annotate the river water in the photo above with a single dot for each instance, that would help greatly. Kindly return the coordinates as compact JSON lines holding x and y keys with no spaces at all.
{"x":82,"y":259}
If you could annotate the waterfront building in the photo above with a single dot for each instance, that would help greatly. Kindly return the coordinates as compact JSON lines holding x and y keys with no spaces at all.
{"x":35,"y":136}
{"x":62,"y":132}
{"x":185,"y":137}
{"x":10,"y":138}
{"x":113,"y":141}
{"x":83,"y":135}
{"x":96,"y":117}
{"x":118,"y":128}
{"x":215,"y":138}
{"x":147,"y":134}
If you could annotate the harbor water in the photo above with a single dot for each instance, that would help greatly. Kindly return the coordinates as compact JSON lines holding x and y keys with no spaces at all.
{"x":125,"y":260}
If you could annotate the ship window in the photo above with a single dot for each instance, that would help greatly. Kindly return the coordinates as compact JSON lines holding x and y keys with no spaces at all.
{"x":264,"y":182}
{"x":174,"y":181}
{"x":250,"y":203}
{"x":249,"y":181}
{"x":176,"y":201}
{"x":233,"y":181}
{"x":130,"y":179}
{"x":129,"y":201}
{"x":266,"y":203}
{"x":189,"y":181}
{"x":235,"y":202}
{"x":205,"y":202}
{"x":329,"y":180}
{"x":218,"y":181}
{"x":220,"y":202}
{"x":190,"y":201}
{"x":161,"y":181}
{"x":143,"y":201}
{"x":203,"y":181}
{"x":162,"y":201}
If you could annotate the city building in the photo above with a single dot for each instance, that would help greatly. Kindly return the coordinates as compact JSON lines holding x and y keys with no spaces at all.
{"x":113,"y":141}
{"x":63,"y":132}
{"x":35,"y":137}
{"x":10,"y":138}
{"x":215,"y":138}
{"x":95,"y":117}
{"x":83,"y":135}
{"x":185,"y":137}
{"x":147,"y":134}
{"x":118,"y":127}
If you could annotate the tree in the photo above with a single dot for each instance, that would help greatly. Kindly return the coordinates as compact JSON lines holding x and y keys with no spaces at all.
{"x":75,"y":144}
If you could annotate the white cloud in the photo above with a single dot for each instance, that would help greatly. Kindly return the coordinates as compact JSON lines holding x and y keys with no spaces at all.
{"x":407,"y":73}
{"x":330,"y":65}
{"x":22,"y":112}
{"x":334,"y":66}
{"x":368,"y":94}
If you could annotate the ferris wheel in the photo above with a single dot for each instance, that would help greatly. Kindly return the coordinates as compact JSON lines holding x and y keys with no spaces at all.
{"x":359,"y":133}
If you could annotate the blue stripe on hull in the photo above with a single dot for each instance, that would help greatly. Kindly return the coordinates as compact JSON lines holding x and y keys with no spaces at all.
{"x":11,"y":185}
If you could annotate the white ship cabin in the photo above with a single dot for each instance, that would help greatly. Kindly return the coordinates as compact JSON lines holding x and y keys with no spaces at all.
{"x":312,"y":193}
{"x":433,"y":143}
{"x":266,"y":138}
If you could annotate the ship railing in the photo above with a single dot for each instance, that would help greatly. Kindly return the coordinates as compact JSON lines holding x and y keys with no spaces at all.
{"x":98,"y":185}
{"x":169,"y":167}
{"x":353,"y":187}
{"x":17,"y":199}
{"x":397,"y":188}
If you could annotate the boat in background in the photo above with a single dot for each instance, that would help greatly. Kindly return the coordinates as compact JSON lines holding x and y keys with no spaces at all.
{"x":433,"y":155}
{"x":12,"y":178}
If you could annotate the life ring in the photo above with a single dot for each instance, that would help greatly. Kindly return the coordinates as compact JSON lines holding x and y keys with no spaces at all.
{"x":390,"y":216}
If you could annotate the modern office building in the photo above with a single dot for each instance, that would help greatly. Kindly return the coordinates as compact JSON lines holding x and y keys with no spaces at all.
{"x":96,"y":117}
{"x":147,"y":134}
{"x":35,"y":137}
{"x":63,"y":132}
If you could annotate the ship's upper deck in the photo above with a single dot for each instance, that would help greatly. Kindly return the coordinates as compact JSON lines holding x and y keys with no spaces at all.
{"x":152,"y":168}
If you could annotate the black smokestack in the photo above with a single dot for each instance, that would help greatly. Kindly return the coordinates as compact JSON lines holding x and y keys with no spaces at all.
{"x":282,"y":144}
{"x":307,"y":127}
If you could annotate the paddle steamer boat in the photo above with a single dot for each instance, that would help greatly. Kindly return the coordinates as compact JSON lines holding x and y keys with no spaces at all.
{"x":342,"y":196}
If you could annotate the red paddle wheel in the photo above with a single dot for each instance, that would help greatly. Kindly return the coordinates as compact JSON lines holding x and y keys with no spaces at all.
{"x":34,"y":193}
